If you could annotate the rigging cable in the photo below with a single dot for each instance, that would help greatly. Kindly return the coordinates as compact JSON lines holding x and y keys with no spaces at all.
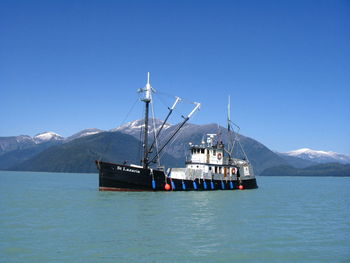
{"x":236,"y":134}
{"x":178,"y":129}
{"x":140,"y":144}
{"x":130,"y":110}
{"x":176,"y":135}
{"x":246,"y":157}
{"x":155,"y":135}
{"x":164,"y":122}
{"x":107,"y":149}
{"x":172,"y":141}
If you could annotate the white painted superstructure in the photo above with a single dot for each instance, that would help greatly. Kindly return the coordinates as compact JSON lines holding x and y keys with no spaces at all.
{"x":208,"y":161}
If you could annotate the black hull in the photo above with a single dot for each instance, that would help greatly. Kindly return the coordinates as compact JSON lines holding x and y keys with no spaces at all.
{"x":117,"y":177}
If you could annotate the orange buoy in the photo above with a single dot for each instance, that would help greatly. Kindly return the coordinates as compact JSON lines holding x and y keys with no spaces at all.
{"x":167,"y":187}
{"x":241,"y":187}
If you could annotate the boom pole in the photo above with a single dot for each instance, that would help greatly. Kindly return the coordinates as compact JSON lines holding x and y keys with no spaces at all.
{"x":229,"y":114}
{"x":161,"y":128}
{"x":177,"y":130}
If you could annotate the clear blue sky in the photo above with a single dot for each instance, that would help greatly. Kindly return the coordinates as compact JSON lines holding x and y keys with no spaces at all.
{"x":70,"y":65}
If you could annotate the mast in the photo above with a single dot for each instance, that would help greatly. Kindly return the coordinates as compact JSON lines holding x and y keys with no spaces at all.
{"x":229,"y":114}
{"x":147,"y":100}
{"x":230,"y":143}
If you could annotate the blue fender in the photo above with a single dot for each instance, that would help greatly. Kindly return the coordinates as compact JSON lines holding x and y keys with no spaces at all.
{"x":205,"y":185}
{"x":231,"y":185}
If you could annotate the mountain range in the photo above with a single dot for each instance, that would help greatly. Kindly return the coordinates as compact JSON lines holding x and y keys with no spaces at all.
{"x":324,"y":169}
{"x":51,"y":152}
{"x":318,"y":156}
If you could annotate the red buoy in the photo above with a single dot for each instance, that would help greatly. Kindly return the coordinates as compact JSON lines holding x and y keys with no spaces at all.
{"x":167,"y":187}
{"x":241,"y":187}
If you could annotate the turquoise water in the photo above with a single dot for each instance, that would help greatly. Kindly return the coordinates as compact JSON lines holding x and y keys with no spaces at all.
{"x":47,"y":217}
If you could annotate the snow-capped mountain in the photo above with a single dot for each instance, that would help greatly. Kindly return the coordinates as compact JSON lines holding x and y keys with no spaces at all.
{"x":134,"y":127}
{"x":27,"y":143}
{"x":83,"y":133}
{"x":47,"y":136}
{"x":11,"y":143}
{"x":23,"y":139}
{"x":319,"y":156}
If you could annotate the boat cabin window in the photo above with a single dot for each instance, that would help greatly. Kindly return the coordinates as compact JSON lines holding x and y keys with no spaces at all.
{"x":197,"y":150}
{"x":219,"y":170}
{"x":216,"y":169}
{"x":214,"y":152}
{"x":209,"y":168}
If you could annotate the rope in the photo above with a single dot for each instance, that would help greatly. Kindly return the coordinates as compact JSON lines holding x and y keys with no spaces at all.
{"x":158,"y":97}
{"x":103,"y":153}
{"x":130,"y":110}
{"x":173,"y":140}
{"x":246,"y":157}
{"x":176,"y":136}
{"x":140,"y":145}
{"x":173,"y":96}
{"x":155,"y":134}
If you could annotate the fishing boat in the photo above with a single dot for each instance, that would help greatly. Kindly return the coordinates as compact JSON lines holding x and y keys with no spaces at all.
{"x":210,"y":165}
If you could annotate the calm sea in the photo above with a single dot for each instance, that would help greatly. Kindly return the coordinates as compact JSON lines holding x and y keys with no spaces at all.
{"x":52,"y":217}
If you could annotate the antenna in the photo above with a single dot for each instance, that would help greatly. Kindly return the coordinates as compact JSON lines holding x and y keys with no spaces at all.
{"x":229,"y":113}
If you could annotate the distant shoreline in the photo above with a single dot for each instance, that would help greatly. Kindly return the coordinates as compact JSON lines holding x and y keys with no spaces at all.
{"x":320,"y":170}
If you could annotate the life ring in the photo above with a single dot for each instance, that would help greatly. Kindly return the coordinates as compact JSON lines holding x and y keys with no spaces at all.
{"x":219,"y":156}
{"x":234,"y":170}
